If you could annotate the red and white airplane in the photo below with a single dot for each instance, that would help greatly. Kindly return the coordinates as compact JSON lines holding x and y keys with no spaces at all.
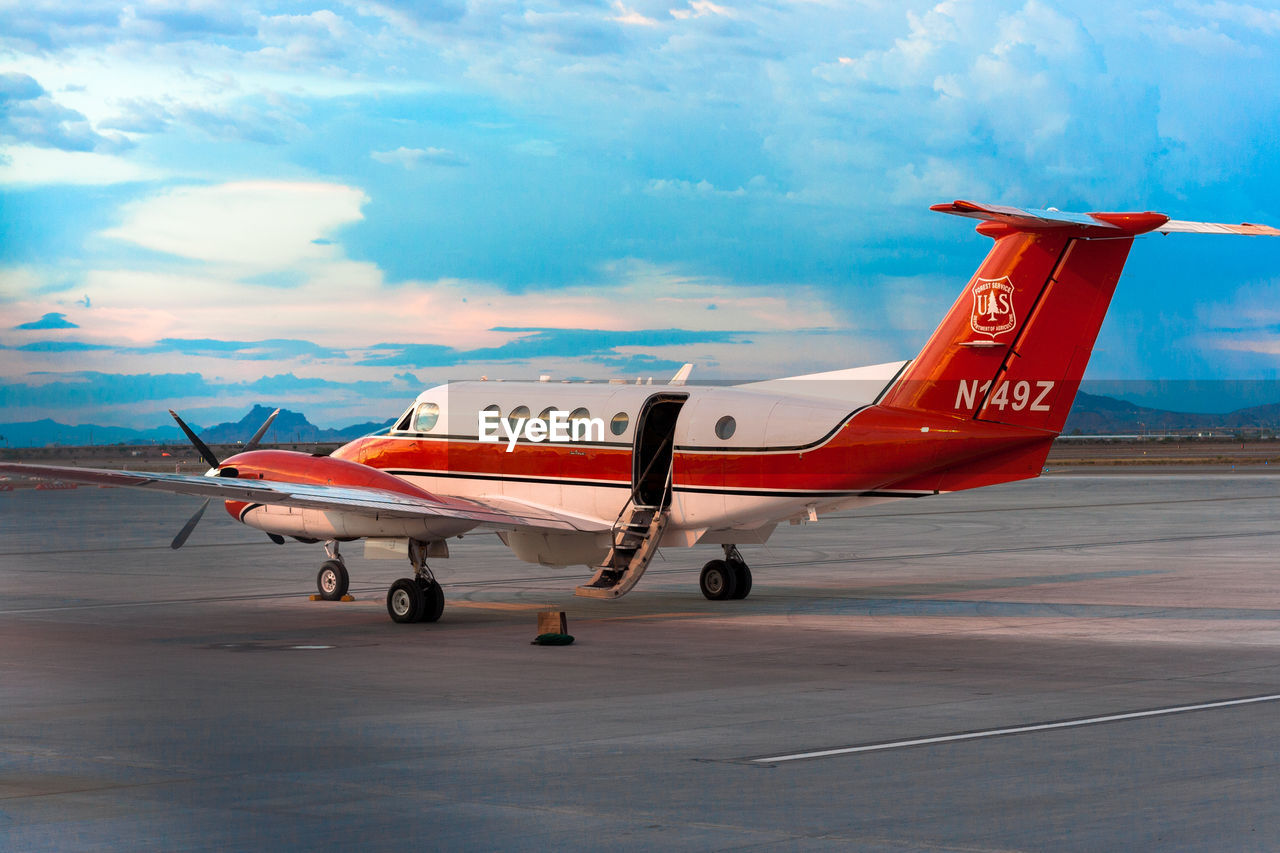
{"x":679,"y":465}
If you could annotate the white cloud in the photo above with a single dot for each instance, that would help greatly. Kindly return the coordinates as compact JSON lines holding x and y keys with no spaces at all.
{"x":250,"y":225}
{"x":31,"y":166}
{"x":631,"y":17}
{"x":702,"y":8}
{"x":411,"y":158}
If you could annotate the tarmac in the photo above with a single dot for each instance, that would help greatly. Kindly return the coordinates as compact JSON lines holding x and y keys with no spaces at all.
{"x":1080,"y":662}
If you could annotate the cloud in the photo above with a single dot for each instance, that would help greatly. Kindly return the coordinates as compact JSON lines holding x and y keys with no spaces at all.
{"x":631,"y":17}
{"x":139,"y":115}
{"x":30,"y":115}
{"x":61,"y":346}
{"x":702,"y":8}
{"x":256,"y":225}
{"x":597,"y":345}
{"x":52,"y":320}
{"x":30,"y":166}
{"x":411,"y":158}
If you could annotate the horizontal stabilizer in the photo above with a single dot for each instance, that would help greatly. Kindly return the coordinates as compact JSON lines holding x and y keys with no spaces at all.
{"x":1096,"y":224}
{"x":1246,"y":228}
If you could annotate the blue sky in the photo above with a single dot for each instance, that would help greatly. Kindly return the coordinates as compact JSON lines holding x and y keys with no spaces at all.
{"x":206,"y":205}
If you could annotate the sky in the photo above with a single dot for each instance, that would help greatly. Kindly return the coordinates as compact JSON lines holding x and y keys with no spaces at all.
{"x":329,"y":207}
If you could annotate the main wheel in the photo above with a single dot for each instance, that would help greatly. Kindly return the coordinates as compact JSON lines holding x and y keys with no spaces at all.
{"x":717,"y":581}
{"x":432,"y":600}
{"x":404,"y":601}
{"x":742,"y":578}
{"x":333,"y":580}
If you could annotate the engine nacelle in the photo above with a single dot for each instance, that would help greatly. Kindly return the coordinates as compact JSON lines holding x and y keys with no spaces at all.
{"x":289,"y":466}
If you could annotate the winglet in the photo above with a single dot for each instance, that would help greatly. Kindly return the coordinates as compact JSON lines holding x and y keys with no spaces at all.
{"x":682,"y":375}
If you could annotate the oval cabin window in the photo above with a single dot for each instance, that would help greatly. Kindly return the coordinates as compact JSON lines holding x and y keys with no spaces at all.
{"x":497,"y":411}
{"x":428,"y":414}
{"x":618,"y":425}
{"x":725,"y":427}
{"x":518,"y":414}
{"x":583,"y":432}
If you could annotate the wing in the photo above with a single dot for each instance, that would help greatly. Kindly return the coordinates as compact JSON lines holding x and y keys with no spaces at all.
{"x":498,"y":513}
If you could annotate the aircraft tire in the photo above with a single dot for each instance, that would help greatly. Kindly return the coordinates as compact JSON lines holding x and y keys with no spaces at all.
{"x":332,"y":580}
{"x":405,"y":601}
{"x":742,"y":579}
{"x":432,"y":600}
{"x":717,"y":581}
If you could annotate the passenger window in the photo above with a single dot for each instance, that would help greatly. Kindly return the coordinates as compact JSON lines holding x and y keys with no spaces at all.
{"x":428,"y":414}
{"x":546,"y":413}
{"x":618,"y":425}
{"x":518,"y":414}
{"x":580,"y":414}
{"x":725,"y":427}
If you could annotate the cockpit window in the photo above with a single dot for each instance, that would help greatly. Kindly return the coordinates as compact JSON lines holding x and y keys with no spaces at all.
{"x":403,"y":423}
{"x":428,"y":414}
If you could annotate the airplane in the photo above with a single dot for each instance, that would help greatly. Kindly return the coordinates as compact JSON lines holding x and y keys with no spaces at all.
{"x":608,"y":473}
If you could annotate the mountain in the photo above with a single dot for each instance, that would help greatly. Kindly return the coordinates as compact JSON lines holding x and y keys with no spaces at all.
{"x":1096,"y":415}
{"x":45,"y":432}
{"x":289,"y":427}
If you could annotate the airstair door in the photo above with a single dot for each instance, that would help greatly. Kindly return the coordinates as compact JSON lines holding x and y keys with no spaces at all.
{"x":654,"y":443}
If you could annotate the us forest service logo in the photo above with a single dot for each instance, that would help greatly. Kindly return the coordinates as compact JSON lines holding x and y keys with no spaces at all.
{"x":993,"y":307}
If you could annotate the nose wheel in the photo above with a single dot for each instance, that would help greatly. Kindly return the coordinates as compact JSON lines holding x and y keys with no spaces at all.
{"x":332,"y":580}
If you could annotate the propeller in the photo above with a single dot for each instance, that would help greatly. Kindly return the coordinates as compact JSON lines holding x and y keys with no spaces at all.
{"x":212,"y":460}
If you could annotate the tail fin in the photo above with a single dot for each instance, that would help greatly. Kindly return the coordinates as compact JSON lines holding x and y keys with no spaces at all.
{"x":1014,"y":347}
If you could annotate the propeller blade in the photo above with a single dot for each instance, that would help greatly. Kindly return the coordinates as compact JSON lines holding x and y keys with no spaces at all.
{"x":181,"y":538}
{"x":199,"y":445}
{"x":262,"y":430}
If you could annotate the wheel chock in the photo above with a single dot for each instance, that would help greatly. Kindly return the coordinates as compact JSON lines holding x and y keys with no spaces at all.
{"x":553,"y":622}
{"x":553,"y":629}
{"x":348,"y":597}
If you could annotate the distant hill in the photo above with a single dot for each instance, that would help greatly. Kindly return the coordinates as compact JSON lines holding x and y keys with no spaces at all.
{"x":45,"y":432}
{"x":1096,"y":415}
{"x":289,"y":428}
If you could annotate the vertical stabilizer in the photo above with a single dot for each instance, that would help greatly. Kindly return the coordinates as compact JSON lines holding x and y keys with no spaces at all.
{"x":1014,"y":346}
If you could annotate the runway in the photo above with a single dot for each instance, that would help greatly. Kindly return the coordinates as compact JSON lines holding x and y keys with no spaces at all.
{"x":1076,"y":662}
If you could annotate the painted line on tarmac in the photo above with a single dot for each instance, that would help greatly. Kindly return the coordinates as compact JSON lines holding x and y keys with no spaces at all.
{"x":1014,"y":730}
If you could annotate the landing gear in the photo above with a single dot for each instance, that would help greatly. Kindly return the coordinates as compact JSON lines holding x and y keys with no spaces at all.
{"x":419,"y":598}
{"x":717,"y":581}
{"x":333,"y":580}
{"x":404,"y":601}
{"x":726,"y":579}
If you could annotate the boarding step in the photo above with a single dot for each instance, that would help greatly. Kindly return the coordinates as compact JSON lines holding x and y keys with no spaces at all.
{"x":635,"y":541}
